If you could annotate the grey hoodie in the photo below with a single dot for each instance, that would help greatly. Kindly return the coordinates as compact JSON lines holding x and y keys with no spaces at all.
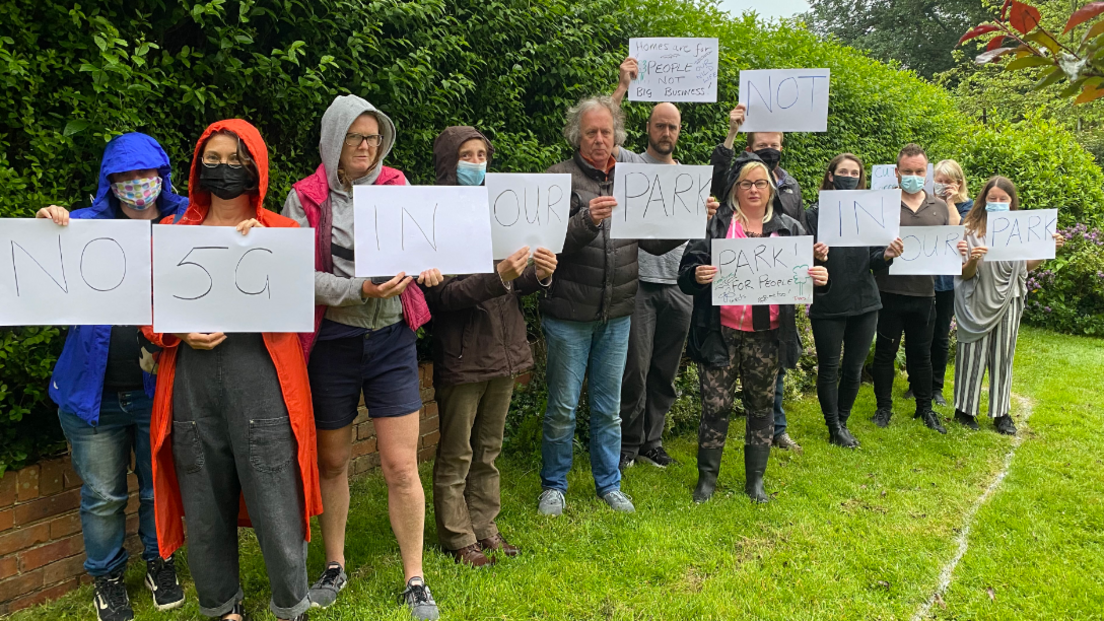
{"x":341,"y":291}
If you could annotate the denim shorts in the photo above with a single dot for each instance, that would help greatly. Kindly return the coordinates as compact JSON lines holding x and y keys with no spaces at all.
{"x":382,"y":364}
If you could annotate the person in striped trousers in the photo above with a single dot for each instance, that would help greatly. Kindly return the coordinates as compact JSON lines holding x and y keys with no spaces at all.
{"x":989,"y":302}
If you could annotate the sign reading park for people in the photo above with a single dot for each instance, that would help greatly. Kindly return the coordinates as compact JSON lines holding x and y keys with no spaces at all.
{"x":930,"y":250}
{"x":411,"y":229}
{"x":91,"y":272}
{"x":528,"y":210}
{"x":674,"y":69}
{"x":850,"y":218}
{"x":214,"y":279}
{"x":660,"y":201}
{"x":785,"y":100}
{"x":884,"y":177}
{"x":768,"y":270}
{"x":1020,"y":235}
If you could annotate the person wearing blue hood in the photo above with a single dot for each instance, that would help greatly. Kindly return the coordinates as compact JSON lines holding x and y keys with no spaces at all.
{"x":105,"y":398}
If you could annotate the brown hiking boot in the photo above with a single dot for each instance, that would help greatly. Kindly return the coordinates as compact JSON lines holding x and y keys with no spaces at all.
{"x":786,"y":443}
{"x":471,"y":556}
{"x":498,"y":543}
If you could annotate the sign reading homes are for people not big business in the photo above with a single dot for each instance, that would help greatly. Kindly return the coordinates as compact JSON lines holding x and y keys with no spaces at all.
{"x":674,"y":69}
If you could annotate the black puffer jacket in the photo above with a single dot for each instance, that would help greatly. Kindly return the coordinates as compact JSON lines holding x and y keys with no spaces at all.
{"x":596,"y":277}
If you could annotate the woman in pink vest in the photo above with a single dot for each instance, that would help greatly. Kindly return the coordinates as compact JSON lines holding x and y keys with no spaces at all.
{"x":364,"y":343}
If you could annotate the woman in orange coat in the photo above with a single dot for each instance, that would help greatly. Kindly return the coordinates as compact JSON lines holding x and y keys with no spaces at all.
{"x":232,"y":413}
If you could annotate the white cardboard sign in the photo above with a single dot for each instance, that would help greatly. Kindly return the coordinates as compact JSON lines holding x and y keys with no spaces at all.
{"x":680,"y":69}
{"x":785,"y":100}
{"x":851,"y":218}
{"x":1020,"y":235}
{"x":214,"y":279}
{"x":660,"y":201}
{"x":930,"y":250}
{"x":884,"y":177}
{"x":407,"y":228}
{"x":91,"y":272}
{"x":769,"y":270}
{"x":528,"y":210}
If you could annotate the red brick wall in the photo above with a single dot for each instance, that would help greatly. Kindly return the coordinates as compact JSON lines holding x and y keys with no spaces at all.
{"x":41,"y":549}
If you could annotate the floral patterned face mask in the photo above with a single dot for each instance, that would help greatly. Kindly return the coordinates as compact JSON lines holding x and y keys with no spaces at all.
{"x":138,"y":194}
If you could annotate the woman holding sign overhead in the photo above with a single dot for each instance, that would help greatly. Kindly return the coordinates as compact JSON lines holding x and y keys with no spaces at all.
{"x":748,"y":343}
{"x":232,"y":431}
{"x":364,"y":344}
{"x":989,"y":302}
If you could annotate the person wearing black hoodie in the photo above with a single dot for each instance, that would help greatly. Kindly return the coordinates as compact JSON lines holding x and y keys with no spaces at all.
{"x":846,"y":315}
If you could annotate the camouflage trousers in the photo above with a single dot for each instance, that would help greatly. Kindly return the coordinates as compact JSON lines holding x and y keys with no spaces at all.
{"x":753,"y":359}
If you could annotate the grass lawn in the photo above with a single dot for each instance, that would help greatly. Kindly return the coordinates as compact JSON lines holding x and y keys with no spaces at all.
{"x":849,"y":535}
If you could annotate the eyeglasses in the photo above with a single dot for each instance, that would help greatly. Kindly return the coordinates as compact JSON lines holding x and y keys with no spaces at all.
{"x":212,"y":159}
{"x":759,"y":185}
{"x":354,"y":140}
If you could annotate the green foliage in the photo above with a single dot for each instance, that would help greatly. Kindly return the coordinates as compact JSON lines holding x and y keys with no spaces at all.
{"x":1067,"y":293}
{"x":28,"y":425}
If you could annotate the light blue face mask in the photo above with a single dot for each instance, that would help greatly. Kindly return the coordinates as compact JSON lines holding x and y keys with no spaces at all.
{"x":912,"y":184}
{"x":470,"y":174}
{"x":990,"y":206}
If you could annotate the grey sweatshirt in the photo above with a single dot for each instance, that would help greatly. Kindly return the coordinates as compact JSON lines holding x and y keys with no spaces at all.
{"x":341,"y":291}
{"x":663,"y":269}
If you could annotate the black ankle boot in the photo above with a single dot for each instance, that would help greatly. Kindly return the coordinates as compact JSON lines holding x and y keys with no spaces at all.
{"x":850,"y":438}
{"x":709,"y":466}
{"x":755,"y":466}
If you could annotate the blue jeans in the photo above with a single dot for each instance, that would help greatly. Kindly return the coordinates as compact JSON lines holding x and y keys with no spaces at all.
{"x":101,"y":458}
{"x":779,"y":413}
{"x":596,"y":350}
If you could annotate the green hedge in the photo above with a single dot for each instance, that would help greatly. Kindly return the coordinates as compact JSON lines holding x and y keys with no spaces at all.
{"x":73,"y":76}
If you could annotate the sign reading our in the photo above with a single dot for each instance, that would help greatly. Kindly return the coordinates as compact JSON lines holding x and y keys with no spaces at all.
{"x":214,"y":279}
{"x":884,"y":177}
{"x":769,"y":270}
{"x":1020,"y":235}
{"x":850,"y":218}
{"x":785,"y":100}
{"x":91,"y":272}
{"x":660,"y":201}
{"x":528,"y":210}
{"x":930,"y":250}
{"x":674,"y":69}
{"x":404,"y":228}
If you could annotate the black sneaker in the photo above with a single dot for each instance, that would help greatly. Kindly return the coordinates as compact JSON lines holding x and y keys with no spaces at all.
{"x":1004,"y":425}
{"x":931,"y":421}
{"x":419,"y":600}
{"x":656,"y":457}
{"x":966,"y":419}
{"x":323,"y":593}
{"x":939,"y":400}
{"x":882,"y":416}
{"x":624,"y":462}
{"x":111,"y":599}
{"x":161,"y":581}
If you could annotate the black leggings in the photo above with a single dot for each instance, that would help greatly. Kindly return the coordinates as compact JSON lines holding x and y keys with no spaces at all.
{"x":838,"y":385}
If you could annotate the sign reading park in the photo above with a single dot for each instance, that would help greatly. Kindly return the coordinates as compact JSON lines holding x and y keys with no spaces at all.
{"x":850,"y":218}
{"x":930,"y":250}
{"x":785,"y":100}
{"x":769,"y":270}
{"x":528,"y":210}
{"x":674,"y":70}
{"x":1020,"y":235}
{"x":660,"y":201}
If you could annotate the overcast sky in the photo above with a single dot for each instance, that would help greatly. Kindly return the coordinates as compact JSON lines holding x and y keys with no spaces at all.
{"x":766,"y":9}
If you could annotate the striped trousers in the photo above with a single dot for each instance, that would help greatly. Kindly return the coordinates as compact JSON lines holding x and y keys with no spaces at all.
{"x":995,"y":351}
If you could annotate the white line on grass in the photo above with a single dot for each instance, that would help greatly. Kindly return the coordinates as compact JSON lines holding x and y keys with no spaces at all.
{"x":1026,"y":407}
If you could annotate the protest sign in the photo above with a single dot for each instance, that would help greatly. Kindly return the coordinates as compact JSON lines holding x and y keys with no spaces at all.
{"x":91,"y":272}
{"x":1020,"y":235}
{"x":404,"y":228}
{"x":768,"y":270}
{"x":930,"y":250}
{"x":214,"y":279}
{"x":660,"y":201}
{"x":528,"y":210}
{"x":884,"y":177}
{"x":674,"y":69}
{"x":785,"y":100}
{"x":850,"y":218}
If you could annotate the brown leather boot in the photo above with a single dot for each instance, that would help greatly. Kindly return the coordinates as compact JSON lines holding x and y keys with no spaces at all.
{"x":471,"y":556}
{"x":498,"y":543}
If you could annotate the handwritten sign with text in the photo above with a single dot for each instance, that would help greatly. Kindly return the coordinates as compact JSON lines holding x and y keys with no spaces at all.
{"x":930,"y":250}
{"x":850,"y":218}
{"x":1021,"y":235}
{"x":785,"y":100}
{"x":674,"y":69}
{"x":769,"y":270}
{"x":884,"y":177}
{"x":660,"y":201}
{"x":528,"y":210}
{"x":91,"y":272}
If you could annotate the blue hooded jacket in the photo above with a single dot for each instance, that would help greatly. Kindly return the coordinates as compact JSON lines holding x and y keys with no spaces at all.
{"x":77,"y":383}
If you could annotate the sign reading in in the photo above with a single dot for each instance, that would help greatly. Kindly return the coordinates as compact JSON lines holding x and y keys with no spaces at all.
{"x":769,"y":270}
{"x":674,"y":70}
{"x":850,"y":218}
{"x":660,"y":201}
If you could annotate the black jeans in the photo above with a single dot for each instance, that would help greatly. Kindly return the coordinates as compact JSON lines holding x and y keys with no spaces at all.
{"x":941,"y":338}
{"x":837,"y":386}
{"x":915,"y":317}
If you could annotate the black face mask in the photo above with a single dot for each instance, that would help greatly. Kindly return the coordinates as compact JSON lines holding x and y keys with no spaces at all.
{"x":845,"y":183}
{"x":770,"y":157}
{"x":226,"y":182}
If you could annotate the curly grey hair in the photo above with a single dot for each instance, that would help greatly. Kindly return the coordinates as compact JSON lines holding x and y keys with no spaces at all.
{"x":573,"y":127}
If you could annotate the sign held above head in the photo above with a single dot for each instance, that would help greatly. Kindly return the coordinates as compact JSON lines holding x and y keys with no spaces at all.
{"x":679,"y":69}
{"x":785,"y":100}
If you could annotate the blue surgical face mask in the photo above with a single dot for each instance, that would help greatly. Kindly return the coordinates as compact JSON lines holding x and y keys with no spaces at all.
{"x":470,"y":174}
{"x":912,"y":184}
{"x":991,"y":206}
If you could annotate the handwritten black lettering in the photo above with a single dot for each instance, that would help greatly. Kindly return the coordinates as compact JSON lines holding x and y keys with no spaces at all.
{"x":431,"y":238}
{"x":210,"y":281}
{"x":237,"y":269}
{"x":63,"y":284}
{"x":508,"y":221}
{"x":101,"y":268}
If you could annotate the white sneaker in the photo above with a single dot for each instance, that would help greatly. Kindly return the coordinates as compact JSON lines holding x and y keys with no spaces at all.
{"x":551,"y":502}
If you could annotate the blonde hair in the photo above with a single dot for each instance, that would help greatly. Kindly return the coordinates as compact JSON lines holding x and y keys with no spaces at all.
{"x":738,"y":213}
{"x":950,"y":168}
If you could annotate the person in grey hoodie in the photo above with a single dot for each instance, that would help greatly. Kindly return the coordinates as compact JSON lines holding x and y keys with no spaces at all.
{"x":361,"y":346}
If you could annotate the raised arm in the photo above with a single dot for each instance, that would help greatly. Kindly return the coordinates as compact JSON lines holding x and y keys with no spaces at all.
{"x":626,"y":74}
